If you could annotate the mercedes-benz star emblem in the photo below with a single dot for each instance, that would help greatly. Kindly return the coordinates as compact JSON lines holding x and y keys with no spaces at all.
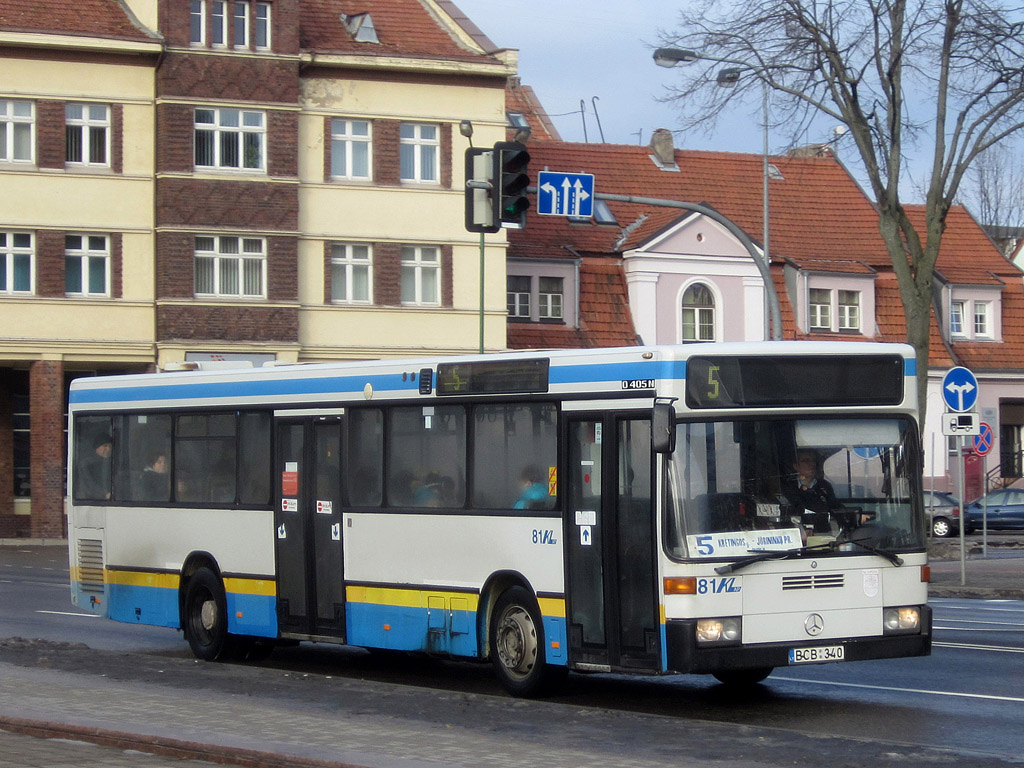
{"x":814,"y":624}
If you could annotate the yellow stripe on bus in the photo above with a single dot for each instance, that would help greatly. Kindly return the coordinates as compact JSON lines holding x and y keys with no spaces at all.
{"x":140,"y":579}
{"x":416,"y":598}
{"x":261,"y":587}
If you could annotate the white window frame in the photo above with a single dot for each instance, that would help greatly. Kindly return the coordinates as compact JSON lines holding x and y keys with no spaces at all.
{"x":703,"y":317}
{"x":418,"y":149}
{"x":219,"y":10}
{"x":262,"y":27}
{"x":11,"y":122}
{"x":231,"y":257}
{"x":344,"y":142}
{"x":91,"y":249}
{"x":240,"y":24}
{"x":86,"y":125}
{"x":197,"y":12}
{"x":956,"y":319}
{"x":849,"y":313}
{"x":221,"y":128}
{"x":517,"y":301}
{"x":982,"y":320}
{"x":416,"y":266}
{"x":815,"y":321}
{"x":350,"y":258}
{"x":547,"y":300}
{"x":10,"y":253}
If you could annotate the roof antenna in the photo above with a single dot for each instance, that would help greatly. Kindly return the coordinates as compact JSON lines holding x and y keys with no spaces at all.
{"x":594,"y":100}
{"x":583,"y":117}
{"x":639,"y":136}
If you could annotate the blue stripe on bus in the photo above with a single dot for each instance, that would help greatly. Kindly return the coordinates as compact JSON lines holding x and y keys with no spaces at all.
{"x":244,"y":388}
{"x":569,"y":374}
{"x":909,"y":366}
{"x":254,"y":615}
{"x":607,"y":372}
{"x":405,"y":628}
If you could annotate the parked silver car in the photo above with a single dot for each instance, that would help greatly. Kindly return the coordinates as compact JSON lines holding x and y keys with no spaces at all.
{"x":943,"y":513}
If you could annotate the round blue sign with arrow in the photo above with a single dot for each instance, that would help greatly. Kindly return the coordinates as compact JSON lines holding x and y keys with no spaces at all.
{"x":983,"y":440}
{"x":959,"y":389}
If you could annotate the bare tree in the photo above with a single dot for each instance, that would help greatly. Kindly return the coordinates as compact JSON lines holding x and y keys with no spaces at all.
{"x":994,"y":191}
{"x":947,"y":75}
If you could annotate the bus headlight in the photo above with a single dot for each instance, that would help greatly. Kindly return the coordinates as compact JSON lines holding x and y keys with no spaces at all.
{"x":901,"y":621}
{"x":725,"y":631}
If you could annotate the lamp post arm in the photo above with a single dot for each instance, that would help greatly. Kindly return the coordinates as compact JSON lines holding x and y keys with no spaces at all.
{"x":711,"y":213}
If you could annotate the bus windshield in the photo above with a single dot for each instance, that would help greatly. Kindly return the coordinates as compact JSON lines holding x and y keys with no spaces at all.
{"x":742,"y":486}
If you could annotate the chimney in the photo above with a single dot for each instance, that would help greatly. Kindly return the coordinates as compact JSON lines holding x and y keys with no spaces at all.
{"x":663,"y":148}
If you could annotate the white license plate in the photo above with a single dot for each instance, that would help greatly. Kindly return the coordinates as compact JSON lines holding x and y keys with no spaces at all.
{"x":819,"y":655}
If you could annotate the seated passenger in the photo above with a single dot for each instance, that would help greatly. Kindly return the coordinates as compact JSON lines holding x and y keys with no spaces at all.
{"x":534,"y":493}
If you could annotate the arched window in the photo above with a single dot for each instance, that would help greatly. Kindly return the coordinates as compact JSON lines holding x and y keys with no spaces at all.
{"x":698,"y":314}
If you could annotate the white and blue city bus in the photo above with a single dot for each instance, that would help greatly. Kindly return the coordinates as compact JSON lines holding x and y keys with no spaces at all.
{"x":618,"y":510}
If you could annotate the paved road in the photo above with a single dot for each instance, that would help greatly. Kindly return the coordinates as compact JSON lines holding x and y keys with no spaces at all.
{"x":325,"y":705}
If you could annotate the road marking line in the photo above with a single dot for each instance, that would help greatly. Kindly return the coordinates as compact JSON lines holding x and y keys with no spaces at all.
{"x":974,"y":647}
{"x":71,"y":613}
{"x":902,"y":690}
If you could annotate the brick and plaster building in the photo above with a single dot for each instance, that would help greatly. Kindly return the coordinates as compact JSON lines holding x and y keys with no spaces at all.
{"x":638,"y":273}
{"x":276,"y":180}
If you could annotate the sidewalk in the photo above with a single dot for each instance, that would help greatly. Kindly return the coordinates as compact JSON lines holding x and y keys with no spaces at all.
{"x":998,"y":576}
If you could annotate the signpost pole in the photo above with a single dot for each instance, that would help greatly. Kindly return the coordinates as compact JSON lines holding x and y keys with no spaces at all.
{"x":961,"y":459}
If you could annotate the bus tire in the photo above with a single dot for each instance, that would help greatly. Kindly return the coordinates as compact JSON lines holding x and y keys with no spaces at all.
{"x":206,"y":616}
{"x":517,"y":643}
{"x":743,"y":678}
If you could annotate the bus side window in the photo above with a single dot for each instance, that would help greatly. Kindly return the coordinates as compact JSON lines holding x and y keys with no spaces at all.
{"x":427,"y":456}
{"x":364,"y":457}
{"x":145,"y":476}
{"x":514,"y":456}
{"x":93,"y":457}
{"x":254,"y":458}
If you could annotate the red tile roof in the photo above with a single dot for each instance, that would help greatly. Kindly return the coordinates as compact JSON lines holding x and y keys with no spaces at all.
{"x":404,"y":27}
{"x":605,"y":320}
{"x":820,"y":220}
{"x":93,"y":18}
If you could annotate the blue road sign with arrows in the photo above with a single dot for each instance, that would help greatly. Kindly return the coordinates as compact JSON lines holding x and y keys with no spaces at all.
{"x":959,"y":389}
{"x":565,"y":194}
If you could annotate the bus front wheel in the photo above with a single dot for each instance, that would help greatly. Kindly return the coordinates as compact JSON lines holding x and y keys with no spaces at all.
{"x":206,"y":616}
{"x":517,"y":642}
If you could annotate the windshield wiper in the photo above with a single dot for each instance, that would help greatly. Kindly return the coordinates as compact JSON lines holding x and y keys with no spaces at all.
{"x":892,"y":557}
{"x":760,"y":555}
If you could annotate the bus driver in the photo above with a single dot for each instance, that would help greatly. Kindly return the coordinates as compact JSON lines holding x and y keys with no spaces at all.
{"x":812,"y":495}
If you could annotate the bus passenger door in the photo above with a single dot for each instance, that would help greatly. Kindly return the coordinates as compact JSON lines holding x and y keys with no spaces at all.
{"x":310,"y":583}
{"x":612,"y":600}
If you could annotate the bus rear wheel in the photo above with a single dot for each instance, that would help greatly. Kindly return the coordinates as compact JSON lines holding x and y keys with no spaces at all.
{"x":517,"y":643}
{"x":205,"y":618}
{"x":743,"y":678}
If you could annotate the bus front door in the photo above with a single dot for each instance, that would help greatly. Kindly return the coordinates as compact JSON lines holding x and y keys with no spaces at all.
{"x":610,"y":534}
{"x":310,"y":583}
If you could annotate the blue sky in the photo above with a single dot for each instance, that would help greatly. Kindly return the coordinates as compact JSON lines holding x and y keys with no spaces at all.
{"x":573,"y":50}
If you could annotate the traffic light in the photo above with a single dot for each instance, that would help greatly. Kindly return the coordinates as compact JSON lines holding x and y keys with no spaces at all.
{"x":480,"y":207}
{"x":510,"y":201}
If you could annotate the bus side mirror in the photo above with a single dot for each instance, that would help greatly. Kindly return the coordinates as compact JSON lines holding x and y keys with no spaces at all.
{"x":663,"y":428}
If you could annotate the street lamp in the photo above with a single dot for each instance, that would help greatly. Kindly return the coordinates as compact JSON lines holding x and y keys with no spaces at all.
{"x":727,"y":78}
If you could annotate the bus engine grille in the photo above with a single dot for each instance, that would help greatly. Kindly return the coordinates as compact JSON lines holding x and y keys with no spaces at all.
{"x":813,"y":581}
{"x":90,"y":566}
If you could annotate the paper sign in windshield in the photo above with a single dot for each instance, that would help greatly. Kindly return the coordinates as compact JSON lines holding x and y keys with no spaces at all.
{"x":740,"y":543}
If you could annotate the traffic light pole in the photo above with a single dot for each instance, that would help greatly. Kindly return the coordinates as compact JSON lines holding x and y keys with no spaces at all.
{"x":773,"y":297}
{"x":481,"y":293}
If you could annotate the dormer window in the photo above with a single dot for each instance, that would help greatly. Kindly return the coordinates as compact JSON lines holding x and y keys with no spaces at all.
{"x":974,"y":314}
{"x":360,"y":26}
{"x":517,"y":120}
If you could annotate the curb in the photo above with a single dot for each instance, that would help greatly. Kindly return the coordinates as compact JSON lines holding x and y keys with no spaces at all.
{"x":33,"y":542}
{"x":164,"y":747}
